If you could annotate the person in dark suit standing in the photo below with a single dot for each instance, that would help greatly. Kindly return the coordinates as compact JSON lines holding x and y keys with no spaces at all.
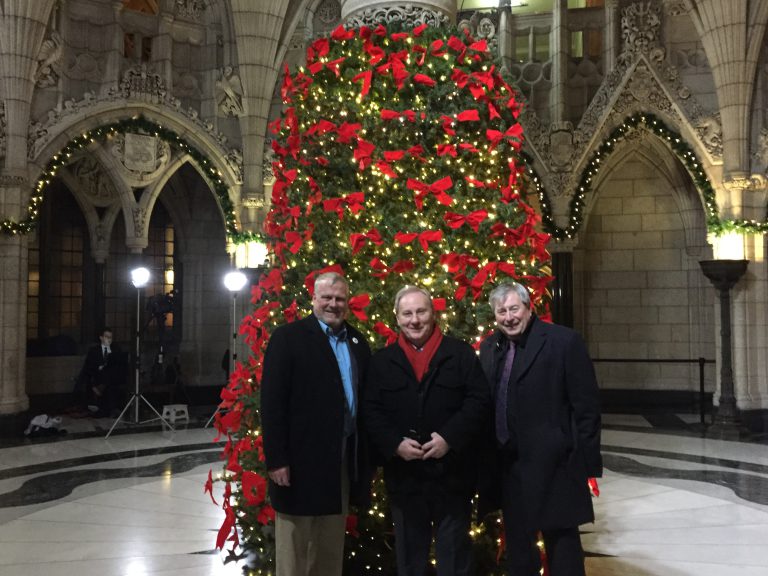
{"x":103,"y":374}
{"x":547,"y":434}
{"x":426,"y":403}
{"x":311,"y":391}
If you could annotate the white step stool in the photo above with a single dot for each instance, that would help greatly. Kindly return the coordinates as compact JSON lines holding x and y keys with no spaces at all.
{"x":173,"y":412}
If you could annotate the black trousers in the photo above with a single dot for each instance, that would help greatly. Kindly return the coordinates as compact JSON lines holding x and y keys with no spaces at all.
{"x":417,"y":517}
{"x":565,"y":556}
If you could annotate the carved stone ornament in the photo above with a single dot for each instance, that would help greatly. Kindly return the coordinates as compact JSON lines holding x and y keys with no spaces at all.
{"x":411,"y":16}
{"x":190,"y":9}
{"x":141,"y":158}
{"x":710,"y":132}
{"x":328,"y":13}
{"x":229,"y":92}
{"x":139,"y":221}
{"x":640,"y":28}
{"x":141,"y":83}
{"x":235,"y":162}
{"x":761,"y":154}
{"x":47,"y":71}
{"x":92,"y":181}
{"x":483,"y":26}
{"x":268,"y":173}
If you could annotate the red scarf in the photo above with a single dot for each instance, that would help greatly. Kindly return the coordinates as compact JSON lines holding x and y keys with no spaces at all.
{"x":420,"y":359}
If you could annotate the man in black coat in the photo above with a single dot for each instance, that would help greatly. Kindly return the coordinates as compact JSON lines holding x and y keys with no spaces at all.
{"x":547,"y":434}
{"x":311,"y":390}
{"x":426,"y":402}
{"x":103,"y":375}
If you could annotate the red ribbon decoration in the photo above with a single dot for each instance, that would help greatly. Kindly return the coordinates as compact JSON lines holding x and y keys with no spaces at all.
{"x":358,"y":304}
{"x":309,"y":279}
{"x":363,"y":153}
{"x":254,"y":487}
{"x":386,"y":169}
{"x":359,"y":240}
{"x":346,"y":131}
{"x":458,"y":262}
{"x":340,"y":34}
{"x":473,"y":219}
{"x":429,"y":236}
{"x":424,"y":80}
{"x":354,"y":201}
{"x":366,"y":76}
{"x":438,"y":304}
{"x":383,"y":330}
{"x":438,"y":188}
{"x":471,"y":115}
{"x":394,"y":115}
{"x":425,"y":238}
{"x":419,"y":30}
{"x":446,"y":149}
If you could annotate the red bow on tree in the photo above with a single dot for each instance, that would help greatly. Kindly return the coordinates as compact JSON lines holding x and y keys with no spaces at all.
{"x":383,"y":330}
{"x":359,"y":240}
{"x":394,"y":115}
{"x":357,"y":305}
{"x":354,"y":201}
{"x":437,"y":188}
{"x":473,"y":219}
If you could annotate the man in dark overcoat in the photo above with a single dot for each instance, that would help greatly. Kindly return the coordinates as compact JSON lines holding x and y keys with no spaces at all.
{"x":103,"y":375}
{"x":426,"y":403}
{"x":310,"y":394}
{"x":547,"y":434}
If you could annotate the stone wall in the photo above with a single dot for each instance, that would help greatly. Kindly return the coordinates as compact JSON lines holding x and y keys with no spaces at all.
{"x":639,"y":294}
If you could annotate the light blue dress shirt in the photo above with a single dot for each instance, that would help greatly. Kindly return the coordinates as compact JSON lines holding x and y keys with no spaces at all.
{"x":340,"y":348}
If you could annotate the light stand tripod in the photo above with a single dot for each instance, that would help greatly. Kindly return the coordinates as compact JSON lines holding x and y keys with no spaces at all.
{"x":139,"y":278}
{"x":234,"y":281}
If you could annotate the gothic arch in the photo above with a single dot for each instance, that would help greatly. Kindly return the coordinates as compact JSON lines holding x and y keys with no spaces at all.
{"x":209,"y":149}
{"x":652,"y":151}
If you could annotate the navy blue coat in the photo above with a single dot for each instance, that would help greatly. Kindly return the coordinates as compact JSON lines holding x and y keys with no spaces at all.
{"x":302,"y":419}
{"x":554,"y":410}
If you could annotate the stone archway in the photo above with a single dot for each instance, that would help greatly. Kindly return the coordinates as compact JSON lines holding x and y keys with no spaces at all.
{"x":639,"y":293}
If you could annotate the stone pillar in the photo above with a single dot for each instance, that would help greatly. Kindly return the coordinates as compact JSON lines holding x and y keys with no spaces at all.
{"x":558,"y":42}
{"x":13,"y":304}
{"x":611,"y":35}
{"x":22,"y":28}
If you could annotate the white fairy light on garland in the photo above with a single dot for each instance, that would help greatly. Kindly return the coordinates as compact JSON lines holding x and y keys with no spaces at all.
{"x":137,"y":123}
{"x":677,"y":145}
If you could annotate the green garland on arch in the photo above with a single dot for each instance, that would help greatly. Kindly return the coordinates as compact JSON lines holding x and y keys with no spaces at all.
{"x":679,"y":147}
{"x":137,"y":123}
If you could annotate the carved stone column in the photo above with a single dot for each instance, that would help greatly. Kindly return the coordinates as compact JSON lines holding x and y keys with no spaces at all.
{"x":13,"y":299}
{"x":611,"y":34}
{"x":359,"y":12}
{"x":559,"y":49}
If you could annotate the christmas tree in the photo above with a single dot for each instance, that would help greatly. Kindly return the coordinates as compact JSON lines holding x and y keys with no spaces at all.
{"x":397,"y":162}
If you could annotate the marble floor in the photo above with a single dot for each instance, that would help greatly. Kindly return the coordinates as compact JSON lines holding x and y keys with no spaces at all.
{"x":672,"y":503}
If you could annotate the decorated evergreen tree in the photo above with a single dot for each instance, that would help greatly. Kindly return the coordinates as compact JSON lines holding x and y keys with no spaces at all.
{"x":397,"y":162}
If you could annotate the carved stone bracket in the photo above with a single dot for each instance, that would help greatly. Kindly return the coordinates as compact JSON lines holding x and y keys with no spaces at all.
{"x":47,"y":69}
{"x":190,"y":9}
{"x":482,"y":25}
{"x":410,"y":16}
{"x":229,"y":92}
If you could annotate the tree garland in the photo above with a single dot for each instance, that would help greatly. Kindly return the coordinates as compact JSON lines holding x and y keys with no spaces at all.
{"x":677,"y":145}
{"x":139,"y":123}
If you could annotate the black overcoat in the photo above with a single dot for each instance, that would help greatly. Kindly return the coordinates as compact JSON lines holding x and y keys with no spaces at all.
{"x":452,"y":399}
{"x":554,"y":411}
{"x":302,"y":418}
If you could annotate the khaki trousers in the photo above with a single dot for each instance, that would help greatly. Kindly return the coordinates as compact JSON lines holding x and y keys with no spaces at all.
{"x":312,"y":545}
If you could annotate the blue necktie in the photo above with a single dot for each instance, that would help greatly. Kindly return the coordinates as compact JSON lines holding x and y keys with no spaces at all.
{"x":502,"y":393}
